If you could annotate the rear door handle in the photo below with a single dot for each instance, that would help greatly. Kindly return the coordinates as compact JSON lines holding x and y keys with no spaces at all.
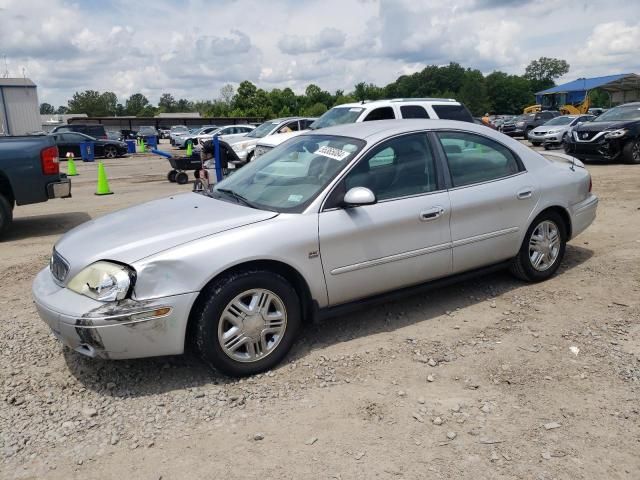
{"x":431,"y":214}
{"x":522,"y":194}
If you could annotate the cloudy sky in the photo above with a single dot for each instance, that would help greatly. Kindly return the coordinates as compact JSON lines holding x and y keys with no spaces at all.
{"x":192,"y":48}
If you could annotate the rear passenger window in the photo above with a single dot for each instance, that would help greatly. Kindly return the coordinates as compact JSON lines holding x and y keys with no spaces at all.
{"x":382,"y":113}
{"x":453,"y":112}
{"x":413,"y":111}
{"x":474,"y":158}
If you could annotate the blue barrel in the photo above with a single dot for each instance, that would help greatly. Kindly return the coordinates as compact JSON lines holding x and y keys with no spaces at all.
{"x":151,"y":141}
{"x":87,"y":151}
{"x":131,"y":146}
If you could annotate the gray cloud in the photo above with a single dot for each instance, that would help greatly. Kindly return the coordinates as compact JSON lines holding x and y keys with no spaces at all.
{"x":327,"y":38}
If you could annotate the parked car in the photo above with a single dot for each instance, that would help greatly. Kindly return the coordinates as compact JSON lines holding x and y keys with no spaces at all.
{"x":611,"y":136}
{"x":244,"y":147}
{"x":128,"y":134}
{"x":330,"y":219}
{"x":29,"y":173}
{"x":93,"y":130}
{"x":145,"y":132}
{"x":176,"y":130}
{"x":182,"y":139}
{"x":523,"y":124}
{"x":114,"y":135}
{"x":228,"y":132}
{"x":399,"y":108}
{"x":555,"y":131}
{"x":70,"y":142}
{"x":164,"y":133}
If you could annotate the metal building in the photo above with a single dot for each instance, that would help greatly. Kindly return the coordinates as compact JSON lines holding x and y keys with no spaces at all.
{"x":19,"y":108}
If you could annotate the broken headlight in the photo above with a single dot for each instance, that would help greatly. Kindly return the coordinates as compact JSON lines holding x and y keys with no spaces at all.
{"x":103,"y":281}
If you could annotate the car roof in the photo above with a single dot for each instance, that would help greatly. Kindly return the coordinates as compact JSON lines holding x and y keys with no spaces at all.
{"x":392,"y":101}
{"x":385,"y":128}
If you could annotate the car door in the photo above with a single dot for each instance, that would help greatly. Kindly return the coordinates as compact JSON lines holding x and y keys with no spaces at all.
{"x":403,"y":239}
{"x":492,"y":197}
{"x":69,"y":142}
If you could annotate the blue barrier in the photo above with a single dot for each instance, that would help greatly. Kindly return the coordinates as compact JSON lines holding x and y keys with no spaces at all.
{"x":131,"y":146}
{"x":161,"y":153}
{"x":216,"y":150}
{"x":151,"y":141}
{"x":87,"y":151}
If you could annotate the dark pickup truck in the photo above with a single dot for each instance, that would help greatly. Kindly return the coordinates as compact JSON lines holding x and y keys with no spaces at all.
{"x":29,"y":173}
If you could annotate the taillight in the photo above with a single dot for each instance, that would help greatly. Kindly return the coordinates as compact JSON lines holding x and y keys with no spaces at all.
{"x":49,"y":161}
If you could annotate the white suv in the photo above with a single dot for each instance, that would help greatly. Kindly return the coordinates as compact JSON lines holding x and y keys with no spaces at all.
{"x":397,"y":108}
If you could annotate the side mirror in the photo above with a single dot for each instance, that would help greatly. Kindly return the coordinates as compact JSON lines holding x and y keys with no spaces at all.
{"x":358,"y":196}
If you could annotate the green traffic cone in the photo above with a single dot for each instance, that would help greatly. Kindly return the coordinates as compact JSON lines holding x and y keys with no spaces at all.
{"x":189,"y":148}
{"x":103,"y":183}
{"x":71,"y":167}
{"x":141,"y":146}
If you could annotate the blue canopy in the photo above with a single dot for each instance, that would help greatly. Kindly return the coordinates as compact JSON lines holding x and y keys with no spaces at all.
{"x":574,"y":92}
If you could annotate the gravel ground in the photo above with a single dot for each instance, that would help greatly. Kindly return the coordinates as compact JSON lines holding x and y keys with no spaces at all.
{"x":486,"y":379}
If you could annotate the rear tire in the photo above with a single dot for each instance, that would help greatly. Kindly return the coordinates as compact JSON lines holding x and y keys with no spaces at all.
{"x":6,"y":214}
{"x":171,"y":176}
{"x":542,"y":249}
{"x":182,"y":178}
{"x":631,"y":152}
{"x":231,"y":332}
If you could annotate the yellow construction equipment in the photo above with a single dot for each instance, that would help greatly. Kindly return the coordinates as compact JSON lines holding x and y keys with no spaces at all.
{"x":557,"y":101}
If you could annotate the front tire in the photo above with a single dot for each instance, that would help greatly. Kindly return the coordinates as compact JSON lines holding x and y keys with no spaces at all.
{"x":171,"y":176}
{"x":182,"y":178}
{"x":246,"y":322}
{"x":631,"y":152}
{"x":542,"y":249}
{"x":6,"y":214}
{"x":110,"y":151}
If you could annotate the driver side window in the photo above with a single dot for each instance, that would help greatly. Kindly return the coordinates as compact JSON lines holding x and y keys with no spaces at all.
{"x":397,"y":168}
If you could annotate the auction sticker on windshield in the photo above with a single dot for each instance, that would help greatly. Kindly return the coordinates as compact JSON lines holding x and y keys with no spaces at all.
{"x":331,"y":152}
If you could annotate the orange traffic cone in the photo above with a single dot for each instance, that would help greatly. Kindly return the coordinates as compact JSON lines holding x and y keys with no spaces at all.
{"x":103,"y":183}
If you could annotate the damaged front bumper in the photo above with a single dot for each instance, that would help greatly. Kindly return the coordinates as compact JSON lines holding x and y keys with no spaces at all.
{"x":116,"y":330}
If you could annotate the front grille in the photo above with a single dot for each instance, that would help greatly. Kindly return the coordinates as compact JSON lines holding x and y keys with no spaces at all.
{"x":584,"y":136}
{"x":59,"y":267}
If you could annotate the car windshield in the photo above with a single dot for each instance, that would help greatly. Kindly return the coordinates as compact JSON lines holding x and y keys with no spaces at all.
{"x":289,"y":177}
{"x":337,"y":116}
{"x":263,"y":130}
{"x":620,"y":113}
{"x":560,"y":121}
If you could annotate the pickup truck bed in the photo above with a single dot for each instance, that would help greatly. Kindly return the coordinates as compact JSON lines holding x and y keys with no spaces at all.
{"x":29,"y":173}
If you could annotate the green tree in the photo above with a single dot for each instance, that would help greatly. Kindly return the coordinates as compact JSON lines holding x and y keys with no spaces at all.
{"x":148,"y":111}
{"x":47,"y":109}
{"x":62,"y":110}
{"x":167,"y":103}
{"x":315,"y":110}
{"x":542,"y":72}
{"x":136,"y":104}
{"x":226,"y":93}
{"x":93,"y":103}
{"x":508,"y":94}
{"x":473,"y":92}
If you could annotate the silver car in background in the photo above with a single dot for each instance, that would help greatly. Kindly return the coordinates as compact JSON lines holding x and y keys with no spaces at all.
{"x":328,"y":218}
{"x":555,"y":131}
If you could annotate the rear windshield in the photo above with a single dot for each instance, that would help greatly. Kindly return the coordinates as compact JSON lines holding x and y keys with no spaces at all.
{"x":453,"y":112}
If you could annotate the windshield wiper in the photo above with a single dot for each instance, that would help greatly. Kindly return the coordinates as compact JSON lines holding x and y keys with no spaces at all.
{"x":239,"y":198}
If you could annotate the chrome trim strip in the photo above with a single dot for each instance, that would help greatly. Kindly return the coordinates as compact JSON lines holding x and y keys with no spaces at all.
{"x":484,"y":236}
{"x":391,"y":258}
{"x":595,"y":137}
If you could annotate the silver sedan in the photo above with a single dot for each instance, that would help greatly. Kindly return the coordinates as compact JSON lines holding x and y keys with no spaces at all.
{"x":325,"y":220}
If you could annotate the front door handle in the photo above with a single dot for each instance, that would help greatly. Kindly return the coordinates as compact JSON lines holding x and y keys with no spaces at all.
{"x":431,"y":214}
{"x":522,"y":194}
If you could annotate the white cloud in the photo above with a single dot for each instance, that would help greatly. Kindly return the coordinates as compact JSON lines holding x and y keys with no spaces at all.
{"x":192,"y":48}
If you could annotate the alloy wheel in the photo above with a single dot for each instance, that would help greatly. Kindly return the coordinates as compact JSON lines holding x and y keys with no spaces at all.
{"x":252,"y":325}
{"x":544,"y":245}
{"x":110,"y":152}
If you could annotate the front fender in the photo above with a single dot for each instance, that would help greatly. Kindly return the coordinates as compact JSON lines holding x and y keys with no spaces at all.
{"x":291,"y":239}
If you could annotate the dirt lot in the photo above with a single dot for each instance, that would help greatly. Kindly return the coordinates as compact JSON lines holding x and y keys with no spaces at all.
{"x":488,"y":379}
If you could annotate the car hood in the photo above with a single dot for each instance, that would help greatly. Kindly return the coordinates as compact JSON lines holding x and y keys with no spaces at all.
{"x":601,"y":126}
{"x":245,"y":139}
{"x":546,"y":128}
{"x":278,"y":138}
{"x":137,"y":232}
